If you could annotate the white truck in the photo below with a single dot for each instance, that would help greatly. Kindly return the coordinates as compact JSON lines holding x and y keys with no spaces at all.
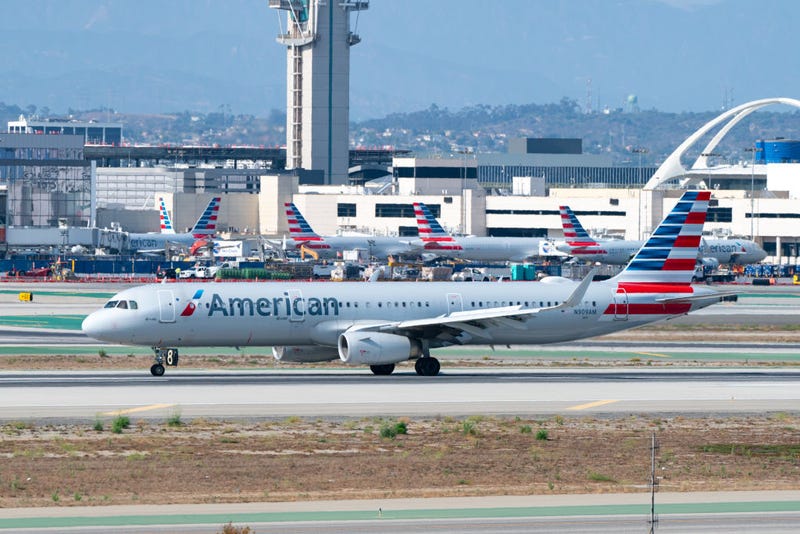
{"x":472,"y":274}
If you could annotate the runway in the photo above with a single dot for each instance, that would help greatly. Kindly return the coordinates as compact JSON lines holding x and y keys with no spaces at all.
{"x":729,"y":512}
{"x":253,"y":395}
{"x":485,"y":388}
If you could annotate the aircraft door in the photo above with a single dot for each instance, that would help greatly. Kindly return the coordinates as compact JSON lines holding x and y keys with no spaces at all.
{"x":621,"y":305}
{"x":166,"y":306}
{"x":454,"y":303}
{"x":297,"y":306}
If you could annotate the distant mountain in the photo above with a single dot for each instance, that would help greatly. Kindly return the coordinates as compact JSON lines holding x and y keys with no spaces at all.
{"x":481,"y":129}
{"x":152,"y":57}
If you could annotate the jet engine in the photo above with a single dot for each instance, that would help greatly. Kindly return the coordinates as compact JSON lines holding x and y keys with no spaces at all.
{"x":375,"y":348}
{"x":304,"y":353}
{"x":709,"y":263}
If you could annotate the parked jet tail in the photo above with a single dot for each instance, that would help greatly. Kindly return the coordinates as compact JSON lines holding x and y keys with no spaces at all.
{"x":670,"y":255}
{"x":574,"y":233}
{"x":166,"y":222}
{"x":431,"y":232}
{"x":300,"y":231}
{"x":206,"y":225}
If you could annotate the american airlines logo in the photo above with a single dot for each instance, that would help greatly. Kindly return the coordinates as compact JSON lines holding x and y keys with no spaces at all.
{"x":192,"y":305}
{"x":283,"y":306}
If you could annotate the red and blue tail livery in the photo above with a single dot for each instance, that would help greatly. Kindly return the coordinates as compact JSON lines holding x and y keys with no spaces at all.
{"x":206,"y":225}
{"x":301,"y":232}
{"x":166,"y":222}
{"x":431,"y":233}
{"x":670,"y":254}
{"x":574,"y":233}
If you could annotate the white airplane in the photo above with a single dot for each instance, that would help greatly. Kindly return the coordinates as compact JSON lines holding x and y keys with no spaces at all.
{"x":205,"y":227}
{"x":712,"y":252}
{"x":331,"y":247}
{"x":381,"y":324}
{"x":439,"y":242}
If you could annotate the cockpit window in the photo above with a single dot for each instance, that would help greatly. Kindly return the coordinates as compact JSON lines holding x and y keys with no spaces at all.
{"x":122,"y":304}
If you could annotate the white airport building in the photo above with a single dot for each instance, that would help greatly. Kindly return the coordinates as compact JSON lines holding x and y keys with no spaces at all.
{"x":512,"y":194}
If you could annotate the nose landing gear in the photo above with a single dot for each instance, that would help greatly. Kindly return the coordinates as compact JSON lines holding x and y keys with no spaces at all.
{"x":162,"y":356}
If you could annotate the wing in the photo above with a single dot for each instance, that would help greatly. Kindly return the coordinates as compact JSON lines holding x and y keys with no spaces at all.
{"x":477,"y":323}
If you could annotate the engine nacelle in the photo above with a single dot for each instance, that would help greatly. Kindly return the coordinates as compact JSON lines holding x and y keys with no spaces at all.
{"x":304,"y":353}
{"x":376,"y":348}
{"x":709,"y":263}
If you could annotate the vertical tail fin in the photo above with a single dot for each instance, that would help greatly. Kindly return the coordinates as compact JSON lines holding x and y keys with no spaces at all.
{"x":166,"y":222}
{"x":431,"y":232}
{"x":207,"y":223}
{"x":299,"y":229}
{"x":574,"y":233}
{"x":669,"y":256}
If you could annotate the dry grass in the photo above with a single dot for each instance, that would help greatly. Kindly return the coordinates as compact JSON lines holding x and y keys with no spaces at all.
{"x":208,"y":461}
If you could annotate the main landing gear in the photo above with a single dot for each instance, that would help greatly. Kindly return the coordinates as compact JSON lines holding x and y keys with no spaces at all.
{"x":162,"y":356}
{"x":427,"y":366}
{"x":382,"y":370}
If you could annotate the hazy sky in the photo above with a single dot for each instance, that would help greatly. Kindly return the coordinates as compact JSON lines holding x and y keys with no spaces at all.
{"x":156,"y":56}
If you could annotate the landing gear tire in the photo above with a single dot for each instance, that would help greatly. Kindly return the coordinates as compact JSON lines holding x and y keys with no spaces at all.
{"x":382,"y":370}
{"x":163,"y":356}
{"x":427,"y":366}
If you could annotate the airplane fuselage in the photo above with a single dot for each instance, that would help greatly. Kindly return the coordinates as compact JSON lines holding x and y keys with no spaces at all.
{"x":154,"y":241}
{"x":488,"y":248}
{"x":273,"y":313}
{"x":619,"y":252}
{"x":331,"y":247}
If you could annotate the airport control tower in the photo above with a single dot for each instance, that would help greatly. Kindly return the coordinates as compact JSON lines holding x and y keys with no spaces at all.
{"x":318,"y":40}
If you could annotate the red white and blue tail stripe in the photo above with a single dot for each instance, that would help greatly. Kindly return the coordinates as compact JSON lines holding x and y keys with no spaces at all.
{"x":206,"y":225}
{"x":431,"y":232}
{"x":670,"y":255}
{"x":300,"y":231}
{"x":574,"y":233}
{"x":166,"y":222}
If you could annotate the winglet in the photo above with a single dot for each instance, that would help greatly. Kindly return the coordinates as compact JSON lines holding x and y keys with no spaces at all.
{"x":577,"y":296}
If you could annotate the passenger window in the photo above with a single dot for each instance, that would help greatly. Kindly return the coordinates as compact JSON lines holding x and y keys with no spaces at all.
{"x":380,"y":304}
{"x":132,"y":305}
{"x":111,"y":304}
{"x":404,"y":304}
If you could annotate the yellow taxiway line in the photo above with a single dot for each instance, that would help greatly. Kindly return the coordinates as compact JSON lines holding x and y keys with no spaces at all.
{"x":591,"y":405}
{"x":657,"y":355}
{"x":139,"y":409}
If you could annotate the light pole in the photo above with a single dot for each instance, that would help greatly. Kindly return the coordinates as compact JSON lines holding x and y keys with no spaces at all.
{"x":754,"y":150}
{"x":640,"y":150}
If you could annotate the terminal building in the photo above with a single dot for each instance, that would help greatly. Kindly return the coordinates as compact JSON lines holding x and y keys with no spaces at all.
{"x":50,"y":191}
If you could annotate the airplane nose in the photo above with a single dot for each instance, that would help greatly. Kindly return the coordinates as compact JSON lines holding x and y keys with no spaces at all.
{"x":93,"y":326}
